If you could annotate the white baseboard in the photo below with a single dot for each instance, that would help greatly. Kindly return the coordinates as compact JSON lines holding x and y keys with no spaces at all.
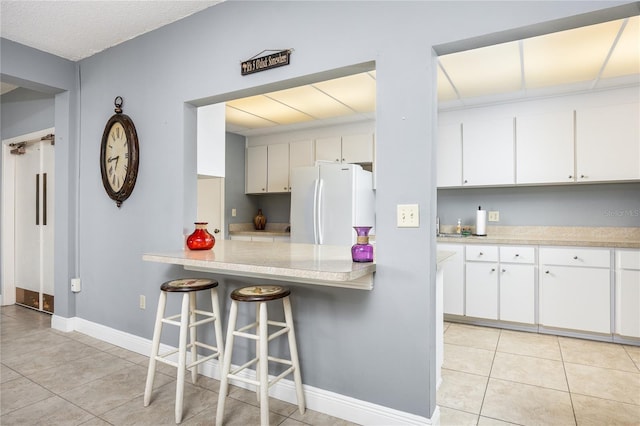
{"x":323,"y":401}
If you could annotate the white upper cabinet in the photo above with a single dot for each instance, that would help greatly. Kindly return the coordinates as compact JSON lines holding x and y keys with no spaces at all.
{"x":301,"y":154}
{"x":608,"y":143}
{"x":544,"y":148}
{"x":256,"y":170}
{"x":488,"y":152}
{"x":278,"y":167}
{"x":450,"y":155}
{"x":346,"y":149}
{"x":357,"y":148}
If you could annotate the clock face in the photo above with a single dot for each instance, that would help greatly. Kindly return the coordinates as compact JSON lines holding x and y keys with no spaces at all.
{"x":116,"y":157}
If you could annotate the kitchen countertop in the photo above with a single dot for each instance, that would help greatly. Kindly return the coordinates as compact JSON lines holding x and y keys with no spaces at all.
{"x":611,"y":237}
{"x":271,"y":229}
{"x":303,"y":263}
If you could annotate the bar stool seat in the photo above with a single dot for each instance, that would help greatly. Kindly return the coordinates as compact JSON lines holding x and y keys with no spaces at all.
{"x":260,"y":294}
{"x":188,"y":321}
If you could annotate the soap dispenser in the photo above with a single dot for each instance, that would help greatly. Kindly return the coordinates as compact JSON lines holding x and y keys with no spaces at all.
{"x":459,"y":227}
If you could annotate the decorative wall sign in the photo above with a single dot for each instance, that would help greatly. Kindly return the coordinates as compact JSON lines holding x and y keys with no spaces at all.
{"x":263,"y":63}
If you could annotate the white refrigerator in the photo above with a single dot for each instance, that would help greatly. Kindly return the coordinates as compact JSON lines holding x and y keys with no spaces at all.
{"x":328,"y":200}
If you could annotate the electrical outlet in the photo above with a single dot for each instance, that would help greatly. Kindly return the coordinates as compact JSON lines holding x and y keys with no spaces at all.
{"x":143,"y":302}
{"x":408,"y":216}
{"x":494,"y":216}
{"x":233,"y":212}
{"x":75,"y":285}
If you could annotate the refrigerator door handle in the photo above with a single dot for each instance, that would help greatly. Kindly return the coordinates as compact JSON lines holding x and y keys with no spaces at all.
{"x":316,"y":184}
{"x":318,"y":212}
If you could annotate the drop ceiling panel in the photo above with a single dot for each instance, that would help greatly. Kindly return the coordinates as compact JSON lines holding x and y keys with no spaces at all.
{"x":625,"y":59}
{"x":488,"y":70}
{"x":269,"y":109}
{"x":568,"y":56}
{"x":445,"y":89}
{"x":245,"y":120}
{"x":357,"y":91}
{"x":311,"y":101}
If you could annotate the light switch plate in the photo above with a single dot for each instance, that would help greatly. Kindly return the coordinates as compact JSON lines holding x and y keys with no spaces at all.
{"x":494,"y":216}
{"x":75,"y":285}
{"x":408,"y":216}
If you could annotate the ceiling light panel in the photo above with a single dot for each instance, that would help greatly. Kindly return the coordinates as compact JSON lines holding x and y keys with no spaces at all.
{"x":445,"y":89}
{"x":488,"y":70}
{"x":625,"y":59}
{"x":568,"y":56}
{"x":245,"y":120}
{"x":311,"y":101}
{"x":357,"y":91}
{"x":269,"y":109}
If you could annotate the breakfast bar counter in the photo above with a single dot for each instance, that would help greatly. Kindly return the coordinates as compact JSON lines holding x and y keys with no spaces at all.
{"x":302,"y":263}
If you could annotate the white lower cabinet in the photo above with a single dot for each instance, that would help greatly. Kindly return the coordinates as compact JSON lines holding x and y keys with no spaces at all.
{"x":518,"y":284}
{"x":627,"y":322}
{"x":575,"y":289}
{"x":482,"y":290}
{"x":453,"y":280}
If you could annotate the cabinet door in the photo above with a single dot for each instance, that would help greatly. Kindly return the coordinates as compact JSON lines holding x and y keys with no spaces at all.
{"x":482,"y":290}
{"x":256,"y":171}
{"x":329,"y":149}
{"x":575,"y":298}
{"x":450,"y":155}
{"x":544,"y":148}
{"x":517,"y":293}
{"x":278,"y":168}
{"x":488,"y":152}
{"x":628,"y":303}
{"x":301,"y":154}
{"x":453,"y":280}
{"x":357,"y":148}
{"x":608,"y":143}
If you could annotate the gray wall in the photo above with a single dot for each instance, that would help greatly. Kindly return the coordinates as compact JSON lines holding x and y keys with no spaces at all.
{"x":613,"y":204}
{"x":25,"y":111}
{"x":385,"y":337}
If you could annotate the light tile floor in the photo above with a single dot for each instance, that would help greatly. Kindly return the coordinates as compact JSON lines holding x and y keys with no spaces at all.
{"x":490,"y":377}
{"x":48,"y":377}
{"x":499,"y":377}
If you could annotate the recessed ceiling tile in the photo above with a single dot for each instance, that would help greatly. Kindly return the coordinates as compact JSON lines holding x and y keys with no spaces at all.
{"x":445,"y":89}
{"x":269,"y":109}
{"x":487,"y":70}
{"x":625,"y":59}
{"x":311,"y":101}
{"x":570,"y":56}
{"x":357,"y":91}
{"x":245,"y":120}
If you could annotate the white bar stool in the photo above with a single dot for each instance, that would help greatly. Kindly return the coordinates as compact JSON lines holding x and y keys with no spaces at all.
{"x":260,"y":294}
{"x":188,"y":321}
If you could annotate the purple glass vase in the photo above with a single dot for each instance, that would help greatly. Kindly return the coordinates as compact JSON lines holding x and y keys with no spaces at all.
{"x":362,"y":251}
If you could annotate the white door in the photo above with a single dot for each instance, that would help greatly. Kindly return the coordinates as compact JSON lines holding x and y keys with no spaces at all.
{"x":211,"y":204}
{"x":33,"y":233}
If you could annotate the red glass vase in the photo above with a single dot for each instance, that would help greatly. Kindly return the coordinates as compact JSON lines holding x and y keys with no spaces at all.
{"x":201,"y":239}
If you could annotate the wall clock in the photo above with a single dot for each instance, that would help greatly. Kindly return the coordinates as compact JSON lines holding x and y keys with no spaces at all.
{"x":119,"y":155}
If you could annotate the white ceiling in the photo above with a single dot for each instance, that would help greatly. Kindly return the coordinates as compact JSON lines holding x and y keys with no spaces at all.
{"x":586,"y":58}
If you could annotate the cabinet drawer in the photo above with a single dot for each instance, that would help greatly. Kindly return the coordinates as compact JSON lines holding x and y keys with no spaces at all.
{"x":518,"y":254}
{"x":628,"y":259}
{"x":482,"y":253}
{"x":598,"y":258}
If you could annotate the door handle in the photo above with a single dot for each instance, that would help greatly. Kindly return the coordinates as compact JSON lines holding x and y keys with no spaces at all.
{"x":38,"y":199}
{"x":216,"y":231}
{"x":44,"y":199}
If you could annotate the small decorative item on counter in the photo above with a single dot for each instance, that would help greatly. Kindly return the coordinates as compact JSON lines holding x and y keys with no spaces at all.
{"x":260,"y":221}
{"x":362,"y":251}
{"x":466,"y":231}
{"x":201,"y":239}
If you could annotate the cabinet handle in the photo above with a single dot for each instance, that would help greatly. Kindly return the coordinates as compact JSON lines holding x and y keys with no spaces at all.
{"x":337,"y":160}
{"x":343,"y":160}
{"x":504,"y":270}
{"x":493,"y":269}
{"x":480,"y":254}
{"x":570,"y":177}
{"x":466,"y":181}
{"x":285,"y":188}
{"x":263,"y":189}
{"x":582,"y":176}
{"x":546,"y":272}
{"x":575,"y":257}
{"x":517,"y":255}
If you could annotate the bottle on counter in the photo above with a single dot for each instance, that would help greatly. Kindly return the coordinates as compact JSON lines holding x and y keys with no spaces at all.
{"x":459,"y":227}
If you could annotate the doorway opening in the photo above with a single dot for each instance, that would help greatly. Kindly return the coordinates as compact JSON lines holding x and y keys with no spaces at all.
{"x":28,"y":217}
